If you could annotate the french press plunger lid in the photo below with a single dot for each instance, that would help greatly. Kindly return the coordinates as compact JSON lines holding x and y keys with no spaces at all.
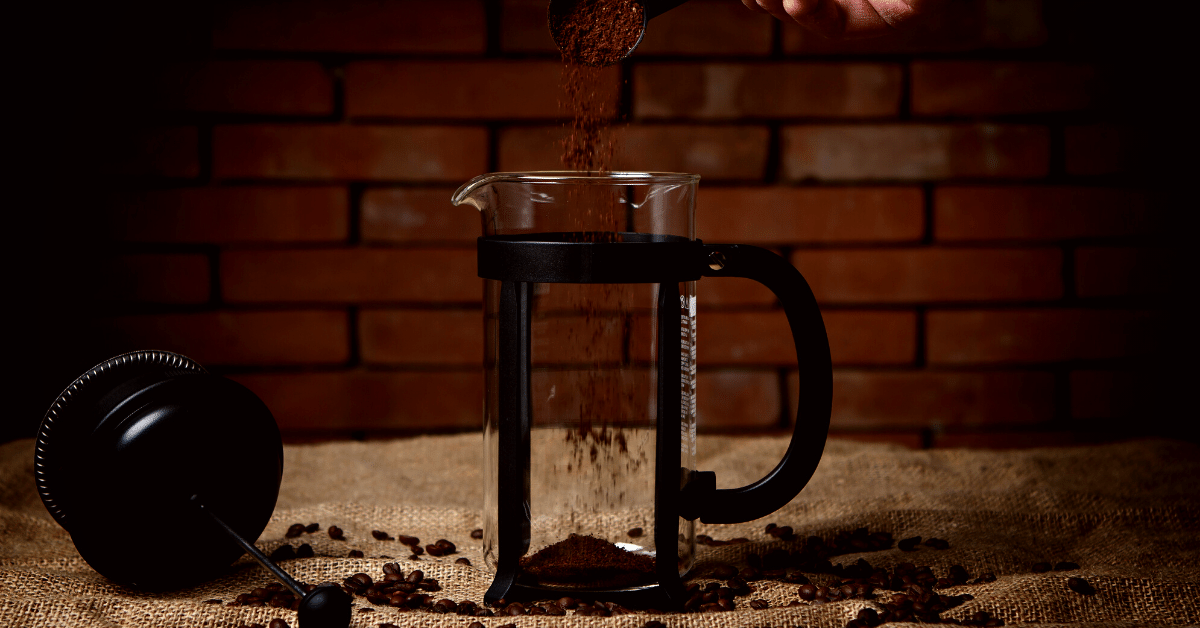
{"x":160,"y":471}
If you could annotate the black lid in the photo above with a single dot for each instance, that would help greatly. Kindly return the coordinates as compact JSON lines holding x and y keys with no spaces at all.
{"x":125,"y":446}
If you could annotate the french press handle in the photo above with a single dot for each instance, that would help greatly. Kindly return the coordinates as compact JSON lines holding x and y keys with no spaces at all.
{"x":700,"y":496}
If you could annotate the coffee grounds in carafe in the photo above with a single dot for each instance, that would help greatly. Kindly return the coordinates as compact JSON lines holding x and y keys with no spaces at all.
{"x":588,"y":562}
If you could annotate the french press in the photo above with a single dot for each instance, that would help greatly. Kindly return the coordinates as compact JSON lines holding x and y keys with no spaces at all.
{"x":589,"y":431}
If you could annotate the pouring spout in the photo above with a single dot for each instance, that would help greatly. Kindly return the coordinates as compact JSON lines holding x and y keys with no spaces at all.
{"x":470,"y":192}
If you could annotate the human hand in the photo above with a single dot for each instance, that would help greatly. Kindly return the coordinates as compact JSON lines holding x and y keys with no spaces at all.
{"x":843,"y":19}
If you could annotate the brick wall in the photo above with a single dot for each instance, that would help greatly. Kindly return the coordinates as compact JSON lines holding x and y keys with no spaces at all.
{"x":978,"y":203}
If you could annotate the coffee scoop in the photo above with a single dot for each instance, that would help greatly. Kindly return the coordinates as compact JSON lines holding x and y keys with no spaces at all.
{"x":602,"y":32}
{"x":160,"y":471}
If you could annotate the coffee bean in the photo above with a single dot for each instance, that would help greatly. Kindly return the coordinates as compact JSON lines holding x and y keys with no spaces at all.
{"x":634,"y":533}
{"x":466,"y":607}
{"x":938,"y":544}
{"x":278,"y":623}
{"x":295,"y":530}
{"x":415,"y":576}
{"x":909,"y":544}
{"x":475,"y":624}
{"x":446,"y":546}
{"x":568,"y":602}
{"x":750,"y":573}
{"x":380,"y":535}
{"x":304,"y":551}
{"x":759,"y":604}
{"x":477,"y":533}
{"x":283,"y":552}
{"x":1065,"y":566}
{"x":356,"y":554}
{"x":433,"y":550}
{"x":807,"y":592}
{"x":1041,"y":567}
{"x":336,"y":533}
{"x":1081,"y":586}
{"x":404,"y":539}
{"x":463,"y":561}
{"x":312,"y":527}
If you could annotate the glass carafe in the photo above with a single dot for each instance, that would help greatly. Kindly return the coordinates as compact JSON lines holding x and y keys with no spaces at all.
{"x":590,"y":369}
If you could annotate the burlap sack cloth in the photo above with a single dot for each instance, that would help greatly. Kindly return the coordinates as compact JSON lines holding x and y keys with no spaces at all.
{"x":1128,"y":514}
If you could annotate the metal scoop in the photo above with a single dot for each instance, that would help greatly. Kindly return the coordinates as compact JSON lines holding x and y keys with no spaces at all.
{"x":610,"y":53}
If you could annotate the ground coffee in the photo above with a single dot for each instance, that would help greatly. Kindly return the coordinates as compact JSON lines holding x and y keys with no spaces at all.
{"x":586,"y":561}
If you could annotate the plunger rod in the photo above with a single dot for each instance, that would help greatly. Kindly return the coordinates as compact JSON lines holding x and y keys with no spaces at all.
{"x":280,"y":574}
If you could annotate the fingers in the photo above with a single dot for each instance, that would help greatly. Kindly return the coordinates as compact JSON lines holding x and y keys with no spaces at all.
{"x":836,"y":19}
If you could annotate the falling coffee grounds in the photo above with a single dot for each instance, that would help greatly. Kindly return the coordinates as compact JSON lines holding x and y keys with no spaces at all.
{"x":592,"y":34}
{"x":586,"y":561}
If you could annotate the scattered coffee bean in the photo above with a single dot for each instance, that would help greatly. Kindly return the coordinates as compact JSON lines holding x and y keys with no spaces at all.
{"x":807,"y":592}
{"x":1081,"y":586}
{"x":213,"y":601}
{"x":305,"y":551}
{"x":278,"y":623}
{"x":380,"y":535}
{"x":1065,"y":566}
{"x":283,"y":552}
{"x":634,"y":533}
{"x":336,"y":533}
{"x":475,"y":624}
{"x":759,"y":604}
{"x":477,"y":533}
{"x":909,"y":544}
{"x":404,"y":539}
{"x":938,"y":544}
{"x":463,"y":561}
{"x":312,"y":527}
{"x":295,"y":530}
{"x":356,"y":554}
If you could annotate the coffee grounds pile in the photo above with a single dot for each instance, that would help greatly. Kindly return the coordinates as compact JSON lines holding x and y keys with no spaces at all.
{"x":587,"y":561}
{"x":598,"y":32}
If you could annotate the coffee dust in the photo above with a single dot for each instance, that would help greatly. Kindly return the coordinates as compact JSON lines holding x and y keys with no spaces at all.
{"x":586,"y":561}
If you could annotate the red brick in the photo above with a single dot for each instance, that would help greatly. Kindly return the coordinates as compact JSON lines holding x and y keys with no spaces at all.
{"x":151,"y":278}
{"x":292,"y":151}
{"x":855,"y":337}
{"x":1037,"y":213}
{"x":787,"y":215}
{"x":365,"y":400}
{"x":350,"y":276}
{"x":442,"y":337}
{"x":892,"y":400}
{"x":915,"y":151}
{"x":239,"y":338}
{"x":1034,"y":335}
{"x":954,"y":27}
{"x":282,"y":87}
{"x":1112,"y":271}
{"x":417,"y":215}
{"x":1000,"y":88}
{"x":737,"y":400}
{"x":463,"y":89}
{"x":768,"y":90}
{"x":729,"y":291}
{"x":523,"y":27}
{"x":931,"y":274}
{"x":1100,"y":149}
{"x":708,"y":27}
{"x":715,"y":152}
{"x":233,"y":215}
{"x":171,"y":152}
{"x":1106,"y":394}
{"x":359,"y":26}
